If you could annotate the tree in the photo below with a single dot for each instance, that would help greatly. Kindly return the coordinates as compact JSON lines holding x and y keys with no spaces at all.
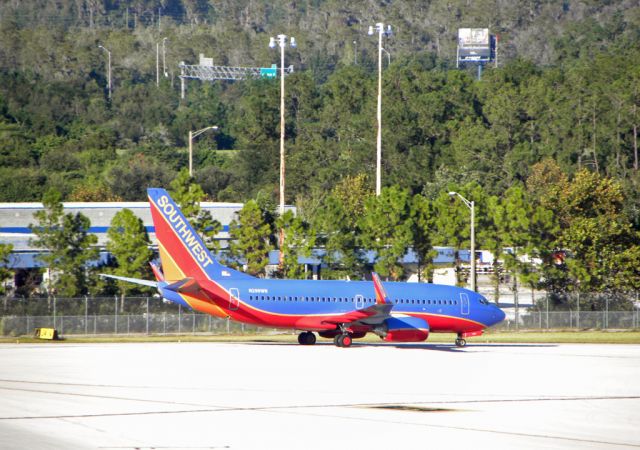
{"x":69,"y":246}
{"x":250,"y":239}
{"x":423,"y":218}
{"x":387,"y":228}
{"x":338,"y":226}
{"x":5,"y":251}
{"x":188,"y":195}
{"x":129,"y":245}
{"x":299,"y":241}
{"x":596,"y":233}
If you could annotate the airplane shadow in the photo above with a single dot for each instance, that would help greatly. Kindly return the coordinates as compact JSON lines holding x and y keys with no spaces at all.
{"x":443,"y":347}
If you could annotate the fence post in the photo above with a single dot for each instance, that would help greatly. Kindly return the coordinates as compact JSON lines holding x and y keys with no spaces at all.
{"x":539,"y":319}
{"x":547,"y":313}
{"x":228,"y":331}
{"x":578,"y":305}
{"x":147,"y":315}
{"x":606,"y":317}
{"x":86,"y":314}
{"x":95,"y":324}
{"x":115,"y":308}
{"x":193,"y":326}
{"x":179,"y":319}
{"x":128,"y":324}
{"x":54,"y":312}
{"x":164,"y":322}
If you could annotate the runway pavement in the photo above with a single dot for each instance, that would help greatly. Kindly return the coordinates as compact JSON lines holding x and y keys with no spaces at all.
{"x":286,"y":396}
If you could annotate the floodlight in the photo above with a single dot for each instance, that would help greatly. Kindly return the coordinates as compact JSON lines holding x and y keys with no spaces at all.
{"x":389,"y":30}
{"x":272,"y":42}
{"x":370,"y":32}
{"x":293,"y":42}
{"x":453,"y":193}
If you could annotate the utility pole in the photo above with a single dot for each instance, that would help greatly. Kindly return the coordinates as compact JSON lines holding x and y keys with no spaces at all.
{"x":164,"y":57}
{"x":380,"y":29}
{"x":472,"y":257}
{"x":108,"y":69}
{"x":281,"y":41}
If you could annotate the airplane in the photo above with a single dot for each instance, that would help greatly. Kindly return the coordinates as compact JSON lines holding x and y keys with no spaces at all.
{"x":339,"y":310}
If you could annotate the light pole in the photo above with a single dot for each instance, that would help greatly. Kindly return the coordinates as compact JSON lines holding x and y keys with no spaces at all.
{"x":472,"y":257}
{"x":281,"y":40}
{"x":157,"y":64}
{"x":164,"y":57}
{"x":192,"y":135}
{"x":379,"y":27}
{"x":108,"y":69}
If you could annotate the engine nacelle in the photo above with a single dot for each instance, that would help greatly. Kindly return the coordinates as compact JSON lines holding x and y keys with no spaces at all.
{"x":404,"y":329}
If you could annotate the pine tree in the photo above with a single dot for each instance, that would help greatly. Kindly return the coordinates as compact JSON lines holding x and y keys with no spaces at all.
{"x":129,"y":244}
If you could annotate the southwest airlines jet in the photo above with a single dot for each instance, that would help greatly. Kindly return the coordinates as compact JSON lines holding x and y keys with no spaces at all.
{"x":338,"y":310}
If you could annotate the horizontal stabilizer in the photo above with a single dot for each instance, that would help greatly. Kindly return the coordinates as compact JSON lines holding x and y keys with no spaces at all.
{"x":186,"y":285}
{"x":149,"y":283}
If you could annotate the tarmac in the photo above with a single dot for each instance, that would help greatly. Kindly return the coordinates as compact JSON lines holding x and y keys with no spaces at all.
{"x":287,"y":396}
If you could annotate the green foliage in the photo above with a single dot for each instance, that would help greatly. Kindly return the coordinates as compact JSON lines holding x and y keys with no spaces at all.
{"x":129,"y":244}
{"x":250,"y":234}
{"x":338,"y":224}
{"x":5,"y":251}
{"x":299,"y":241}
{"x":387,"y":228}
{"x":188,"y":195}
{"x":69,"y":246}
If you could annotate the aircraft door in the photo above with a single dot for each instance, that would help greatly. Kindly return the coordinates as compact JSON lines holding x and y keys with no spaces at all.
{"x":464,"y":304}
{"x":358,"y":301}
{"x":234,"y":299}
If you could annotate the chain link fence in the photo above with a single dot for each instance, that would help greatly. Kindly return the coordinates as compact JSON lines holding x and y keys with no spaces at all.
{"x":149,"y":315}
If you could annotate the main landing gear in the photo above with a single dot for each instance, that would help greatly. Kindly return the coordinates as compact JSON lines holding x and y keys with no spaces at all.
{"x":306,"y":338}
{"x":460,"y":342}
{"x":343,"y":340}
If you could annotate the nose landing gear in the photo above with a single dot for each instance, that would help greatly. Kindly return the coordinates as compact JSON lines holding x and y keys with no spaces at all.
{"x":460,"y":341}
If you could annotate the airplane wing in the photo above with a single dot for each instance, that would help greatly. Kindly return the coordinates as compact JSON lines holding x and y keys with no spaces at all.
{"x":369,"y":316}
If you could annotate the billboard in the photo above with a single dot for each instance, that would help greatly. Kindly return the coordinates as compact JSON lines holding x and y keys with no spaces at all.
{"x":474,"y":44}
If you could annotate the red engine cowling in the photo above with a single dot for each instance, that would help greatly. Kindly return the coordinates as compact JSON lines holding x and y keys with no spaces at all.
{"x":406,"y":329}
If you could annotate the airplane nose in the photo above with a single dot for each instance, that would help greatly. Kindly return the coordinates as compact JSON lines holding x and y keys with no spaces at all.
{"x":499,"y":315}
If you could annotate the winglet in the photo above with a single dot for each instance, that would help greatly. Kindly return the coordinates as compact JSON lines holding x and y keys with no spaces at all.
{"x":381,"y":295}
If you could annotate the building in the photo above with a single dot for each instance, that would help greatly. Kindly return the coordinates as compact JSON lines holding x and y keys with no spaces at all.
{"x":15,"y":219}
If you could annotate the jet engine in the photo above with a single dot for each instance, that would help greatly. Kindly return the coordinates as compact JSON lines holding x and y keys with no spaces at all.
{"x":403,"y":329}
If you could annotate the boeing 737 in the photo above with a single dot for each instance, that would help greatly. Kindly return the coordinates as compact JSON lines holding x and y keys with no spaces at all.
{"x":338,"y":310}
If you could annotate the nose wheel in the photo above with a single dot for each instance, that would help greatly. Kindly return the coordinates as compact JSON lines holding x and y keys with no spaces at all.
{"x":306,"y":338}
{"x":460,"y":342}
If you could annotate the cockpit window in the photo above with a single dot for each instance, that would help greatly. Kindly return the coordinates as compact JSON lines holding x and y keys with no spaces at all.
{"x":484,"y":301}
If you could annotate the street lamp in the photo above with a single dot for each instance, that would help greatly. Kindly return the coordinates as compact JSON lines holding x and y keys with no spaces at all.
{"x":281,"y":40}
{"x":471,"y":206}
{"x":108,"y":70}
{"x":194,"y":134}
{"x":382,"y":31}
{"x":164,"y":58}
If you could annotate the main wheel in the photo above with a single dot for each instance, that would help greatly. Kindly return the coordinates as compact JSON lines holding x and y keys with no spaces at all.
{"x":301,"y":338}
{"x":345,"y":340}
{"x":337,"y":340}
{"x":310,"y":338}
